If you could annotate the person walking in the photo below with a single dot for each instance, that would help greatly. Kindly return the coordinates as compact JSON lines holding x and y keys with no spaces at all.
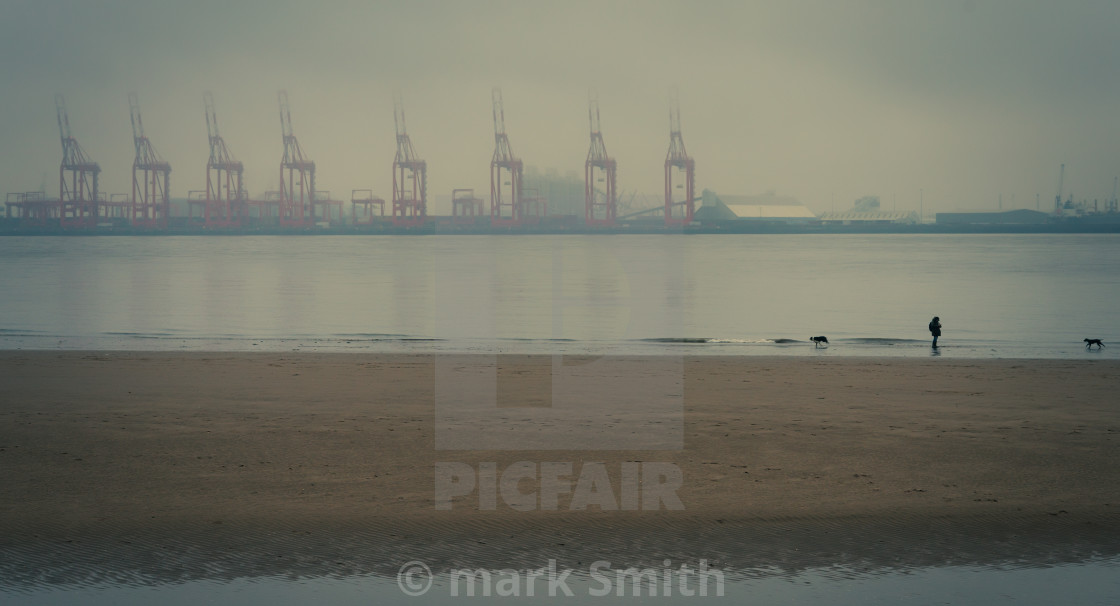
{"x":935,"y":329}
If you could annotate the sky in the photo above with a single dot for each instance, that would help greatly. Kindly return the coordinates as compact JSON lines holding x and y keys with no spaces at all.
{"x":947,"y":104}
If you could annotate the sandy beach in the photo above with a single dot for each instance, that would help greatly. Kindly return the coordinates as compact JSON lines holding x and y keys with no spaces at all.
{"x":96,"y":446}
{"x":88,"y":437}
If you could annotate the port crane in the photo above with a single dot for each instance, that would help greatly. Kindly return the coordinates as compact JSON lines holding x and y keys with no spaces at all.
{"x":151,"y":175}
{"x":602,"y":204}
{"x":77,"y":177}
{"x":1058,"y":197}
{"x":505,"y":172}
{"x":410,"y":177}
{"x":297,"y":175}
{"x":225,"y":192}
{"x":679,"y":166}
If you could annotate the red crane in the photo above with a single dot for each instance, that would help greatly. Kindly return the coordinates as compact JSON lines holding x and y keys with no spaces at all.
{"x":1058,"y":198}
{"x":151,"y":201}
{"x":362,"y":202}
{"x":410,"y":177}
{"x":297,"y":175}
{"x":602,"y":203}
{"x":680,"y":169}
{"x":77,"y":177}
{"x":225,"y":192}
{"x":465,"y":207}
{"x":505,"y":173}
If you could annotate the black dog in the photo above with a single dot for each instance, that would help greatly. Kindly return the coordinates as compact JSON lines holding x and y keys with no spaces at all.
{"x":818,"y":341}
{"x":1091,"y":342}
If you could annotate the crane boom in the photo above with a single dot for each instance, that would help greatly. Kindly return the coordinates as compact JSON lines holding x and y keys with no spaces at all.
{"x":63,"y":119}
{"x":593,"y":113}
{"x":398,"y":116}
{"x":134,"y":115}
{"x":285,"y":114}
{"x":499,"y":113}
{"x":1061,"y":181}
{"x":211,"y":116}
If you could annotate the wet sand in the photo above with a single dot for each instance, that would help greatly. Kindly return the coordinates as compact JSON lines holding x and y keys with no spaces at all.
{"x":244,"y":452}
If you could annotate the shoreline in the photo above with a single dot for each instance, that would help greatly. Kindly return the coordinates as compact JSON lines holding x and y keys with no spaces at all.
{"x":841,"y":348}
{"x":444,"y":225}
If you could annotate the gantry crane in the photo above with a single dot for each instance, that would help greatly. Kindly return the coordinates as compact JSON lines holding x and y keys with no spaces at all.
{"x":505,"y":172}
{"x":1111,"y":206}
{"x":410,"y":177}
{"x":601,"y":203}
{"x":151,"y":175}
{"x":77,"y":178}
{"x":297,"y":175}
{"x":680,"y":170}
{"x":1058,"y":197}
{"x":225,"y":191}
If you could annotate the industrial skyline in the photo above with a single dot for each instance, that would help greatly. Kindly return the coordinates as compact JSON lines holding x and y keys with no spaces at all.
{"x":948,"y":106}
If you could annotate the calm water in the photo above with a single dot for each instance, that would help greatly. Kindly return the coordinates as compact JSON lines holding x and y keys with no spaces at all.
{"x":998,"y":295}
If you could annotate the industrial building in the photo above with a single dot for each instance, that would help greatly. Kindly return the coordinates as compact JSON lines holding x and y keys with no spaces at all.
{"x":866,"y":211}
{"x":769,"y":206}
{"x":1021,"y":216}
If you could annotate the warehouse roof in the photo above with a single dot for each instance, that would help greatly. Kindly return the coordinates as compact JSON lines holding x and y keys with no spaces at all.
{"x":764,"y":206}
{"x":871,"y":216}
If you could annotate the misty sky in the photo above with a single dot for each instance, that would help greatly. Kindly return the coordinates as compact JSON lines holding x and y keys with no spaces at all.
{"x":826,"y":100}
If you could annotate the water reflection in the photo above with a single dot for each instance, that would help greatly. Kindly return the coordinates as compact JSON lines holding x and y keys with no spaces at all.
{"x":1087,"y":583}
{"x":733,"y":289}
{"x":981,"y":560}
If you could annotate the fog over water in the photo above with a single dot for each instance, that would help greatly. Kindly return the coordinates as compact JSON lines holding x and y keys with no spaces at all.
{"x":952,"y":103}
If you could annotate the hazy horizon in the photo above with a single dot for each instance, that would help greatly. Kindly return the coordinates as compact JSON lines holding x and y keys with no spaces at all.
{"x":955,"y":102}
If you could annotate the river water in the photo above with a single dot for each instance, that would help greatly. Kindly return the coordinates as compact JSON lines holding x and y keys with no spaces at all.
{"x":998,"y":296}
